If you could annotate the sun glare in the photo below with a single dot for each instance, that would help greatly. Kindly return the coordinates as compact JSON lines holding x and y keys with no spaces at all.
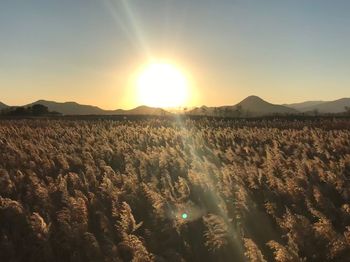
{"x":162,"y":85}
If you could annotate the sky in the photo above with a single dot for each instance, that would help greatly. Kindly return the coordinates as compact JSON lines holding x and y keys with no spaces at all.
{"x":90,"y":51}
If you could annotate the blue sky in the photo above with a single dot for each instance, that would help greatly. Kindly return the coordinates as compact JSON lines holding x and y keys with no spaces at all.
{"x":89,"y":50}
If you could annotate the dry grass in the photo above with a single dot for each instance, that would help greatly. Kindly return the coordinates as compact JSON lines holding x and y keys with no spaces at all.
{"x":117,"y":190}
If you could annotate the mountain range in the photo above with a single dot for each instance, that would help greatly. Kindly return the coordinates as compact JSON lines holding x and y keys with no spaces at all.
{"x":250,"y":106}
{"x":73,"y":108}
{"x":255,"y":106}
{"x":336,"y":106}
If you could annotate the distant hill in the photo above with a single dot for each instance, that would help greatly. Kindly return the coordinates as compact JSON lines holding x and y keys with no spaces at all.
{"x":250,"y":106}
{"x":143,"y":110}
{"x":304,"y":105}
{"x":337,"y":106}
{"x":203,"y":110}
{"x":257,"y":106}
{"x":73,"y":108}
{"x":3,"y":106}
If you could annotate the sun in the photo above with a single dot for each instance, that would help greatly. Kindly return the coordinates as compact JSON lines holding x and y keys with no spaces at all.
{"x":162,"y":85}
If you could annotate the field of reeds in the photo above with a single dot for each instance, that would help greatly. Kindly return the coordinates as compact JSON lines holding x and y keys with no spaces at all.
{"x":167,"y":190}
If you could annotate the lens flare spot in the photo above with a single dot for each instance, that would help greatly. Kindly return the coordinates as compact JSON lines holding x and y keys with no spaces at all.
{"x":184,"y":216}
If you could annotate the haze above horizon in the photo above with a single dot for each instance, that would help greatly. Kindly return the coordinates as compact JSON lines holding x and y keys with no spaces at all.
{"x":92,"y":52}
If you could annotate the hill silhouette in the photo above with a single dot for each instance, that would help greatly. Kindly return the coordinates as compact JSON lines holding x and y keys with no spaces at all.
{"x":251,"y":106}
{"x":336,"y":106}
{"x":143,"y":110}
{"x":258,"y":106}
{"x":304,"y":105}
{"x":73,"y":108}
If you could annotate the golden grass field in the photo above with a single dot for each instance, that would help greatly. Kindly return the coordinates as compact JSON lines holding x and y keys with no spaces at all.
{"x":166,"y":190}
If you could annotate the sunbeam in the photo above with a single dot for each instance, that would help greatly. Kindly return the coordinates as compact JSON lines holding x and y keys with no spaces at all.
{"x":209,"y":200}
{"x":131,"y":26}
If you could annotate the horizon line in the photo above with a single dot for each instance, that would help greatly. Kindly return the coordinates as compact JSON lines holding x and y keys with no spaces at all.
{"x":169,"y":108}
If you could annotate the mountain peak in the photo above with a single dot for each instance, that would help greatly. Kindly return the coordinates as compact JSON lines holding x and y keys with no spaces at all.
{"x":41,"y":101}
{"x":254,"y":99}
{"x":258,"y":106}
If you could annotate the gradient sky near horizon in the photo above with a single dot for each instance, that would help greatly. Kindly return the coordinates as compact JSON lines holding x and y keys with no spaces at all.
{"x":89,"y":51}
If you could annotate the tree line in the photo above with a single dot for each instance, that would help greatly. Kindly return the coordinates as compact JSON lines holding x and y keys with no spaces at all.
{"x":35,"y":110}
